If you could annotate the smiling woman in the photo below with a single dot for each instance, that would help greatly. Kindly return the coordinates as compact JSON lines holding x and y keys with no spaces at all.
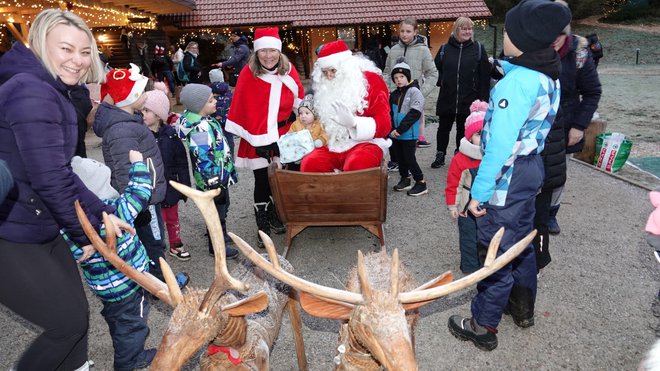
{"x":38,"y":126}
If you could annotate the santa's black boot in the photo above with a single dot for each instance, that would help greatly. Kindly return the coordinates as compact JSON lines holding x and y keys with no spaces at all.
{"x":274,"y":220}
{"x":261,"y":214}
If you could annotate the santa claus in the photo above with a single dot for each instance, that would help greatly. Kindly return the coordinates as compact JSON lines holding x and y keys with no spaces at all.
{"x":351,"y":99}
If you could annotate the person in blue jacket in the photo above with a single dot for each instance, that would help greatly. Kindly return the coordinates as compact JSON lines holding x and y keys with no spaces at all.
{"x":38,"y":136}
{"x":521,"y":110}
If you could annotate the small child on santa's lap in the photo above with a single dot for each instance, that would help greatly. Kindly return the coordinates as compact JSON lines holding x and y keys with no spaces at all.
{"x":308,"y":120}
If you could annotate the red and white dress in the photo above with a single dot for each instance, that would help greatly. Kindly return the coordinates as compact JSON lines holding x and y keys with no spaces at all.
{"x":259,"y":103}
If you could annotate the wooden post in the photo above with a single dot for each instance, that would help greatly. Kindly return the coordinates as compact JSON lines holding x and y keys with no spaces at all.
{"x":596,"y":127}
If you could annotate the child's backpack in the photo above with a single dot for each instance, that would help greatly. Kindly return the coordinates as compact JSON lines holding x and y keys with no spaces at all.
{"x":181,"y":72}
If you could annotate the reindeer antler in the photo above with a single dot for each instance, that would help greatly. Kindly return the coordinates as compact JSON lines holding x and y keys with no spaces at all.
{"x":170,"y":293}
{"x":491,"y":265}
{"x":290,"y":279}
{"x":223,"y":280}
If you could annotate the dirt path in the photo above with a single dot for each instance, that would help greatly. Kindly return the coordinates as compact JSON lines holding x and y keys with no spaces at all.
{"x":593,"y":21}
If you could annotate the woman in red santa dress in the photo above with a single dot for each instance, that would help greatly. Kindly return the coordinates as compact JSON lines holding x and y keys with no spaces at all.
{"x":351,"y":99}
{"x":266,"y":94}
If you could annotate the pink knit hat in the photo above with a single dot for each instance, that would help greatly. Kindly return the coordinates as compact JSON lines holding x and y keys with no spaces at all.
{"x":475,"y":122}
{"x":158,"y":103}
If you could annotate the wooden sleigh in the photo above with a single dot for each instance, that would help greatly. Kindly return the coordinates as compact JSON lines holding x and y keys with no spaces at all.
{"x":330,"y":199}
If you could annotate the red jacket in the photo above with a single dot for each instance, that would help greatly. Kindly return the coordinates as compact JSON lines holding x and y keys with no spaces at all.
{"x":459,"y":163}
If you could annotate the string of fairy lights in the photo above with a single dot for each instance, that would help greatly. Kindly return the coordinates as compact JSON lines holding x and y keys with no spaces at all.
{"x":95,"y":15}
{"x":292,"y":39}
{"x":104,"y":18}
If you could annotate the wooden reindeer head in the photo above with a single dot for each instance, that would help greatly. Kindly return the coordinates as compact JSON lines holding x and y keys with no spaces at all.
{"x":201,"y":315}
{"x":376,"y":316}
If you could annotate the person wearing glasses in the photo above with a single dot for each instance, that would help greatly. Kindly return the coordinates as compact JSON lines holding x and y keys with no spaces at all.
{"x":464,"y":76}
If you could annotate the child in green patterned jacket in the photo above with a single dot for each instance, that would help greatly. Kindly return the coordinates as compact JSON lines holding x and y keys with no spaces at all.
{"x":125,"y":305}
{"x":213,"y":165}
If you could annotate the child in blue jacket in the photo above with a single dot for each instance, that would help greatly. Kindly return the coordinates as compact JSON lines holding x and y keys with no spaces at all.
{"x":521,"y":110}
{"x":407,"y":106}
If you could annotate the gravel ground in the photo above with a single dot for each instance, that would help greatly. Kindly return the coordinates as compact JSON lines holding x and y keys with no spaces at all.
{"x":594,"y":301}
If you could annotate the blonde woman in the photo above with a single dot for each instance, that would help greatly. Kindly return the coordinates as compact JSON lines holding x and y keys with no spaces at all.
{"x":463,"y":70}
{"x":38,"y":130}
{"x":190,"y":64}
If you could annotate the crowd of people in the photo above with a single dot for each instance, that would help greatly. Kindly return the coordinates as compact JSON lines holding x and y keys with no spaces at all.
{"x":508,"y":168}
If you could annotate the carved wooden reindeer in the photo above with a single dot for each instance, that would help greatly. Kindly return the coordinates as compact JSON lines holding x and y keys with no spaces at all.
{"x":379,"y":305}
{"x":239,"y":315}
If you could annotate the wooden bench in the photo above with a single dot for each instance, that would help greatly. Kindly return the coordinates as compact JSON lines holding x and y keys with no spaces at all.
{"x":330,"y":199}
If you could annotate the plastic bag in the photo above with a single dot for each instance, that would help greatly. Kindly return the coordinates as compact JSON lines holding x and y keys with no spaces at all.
{"x":612,"y":151}
{"x":294,"y":146}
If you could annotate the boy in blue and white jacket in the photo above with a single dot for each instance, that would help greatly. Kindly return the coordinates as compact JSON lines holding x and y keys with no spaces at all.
{"x":522,"y":108}
{"x":212,"y":163}
{"x":125,"y":305}
{"x":407,"y":106}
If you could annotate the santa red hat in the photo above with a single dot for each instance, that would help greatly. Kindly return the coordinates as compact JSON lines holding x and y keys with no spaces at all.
{"x":333,"y":52}
{"x":124,"y":86}
{"x":267,"y":38}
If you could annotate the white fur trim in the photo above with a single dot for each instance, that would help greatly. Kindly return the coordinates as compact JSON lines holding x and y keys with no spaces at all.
{"x":267,"y":42}
{"x":253,"y":163}
{"x":333,"y":59}
{"x":296,"y":103}
{"x":254,"y":140}
{"x":136,"y":92}
{"x":365,"y":128}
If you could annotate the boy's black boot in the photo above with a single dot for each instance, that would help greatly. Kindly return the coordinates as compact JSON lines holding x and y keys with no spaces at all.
{"x":439,"y":160}
{"x":521,"y":306}
{"x":261,"y":214}
{"x":468,"y":329}
{"x":274,"y":220}
{"x":403,"y":185}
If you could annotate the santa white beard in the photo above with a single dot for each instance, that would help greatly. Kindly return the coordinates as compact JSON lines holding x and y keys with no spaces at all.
{"x":348,"y":87}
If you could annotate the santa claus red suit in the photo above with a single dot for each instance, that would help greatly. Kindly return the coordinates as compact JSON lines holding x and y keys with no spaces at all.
{"x":351,"y":99}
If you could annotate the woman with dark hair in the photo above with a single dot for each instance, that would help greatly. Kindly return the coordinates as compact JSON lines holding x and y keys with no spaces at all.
{"x":266,"y":94}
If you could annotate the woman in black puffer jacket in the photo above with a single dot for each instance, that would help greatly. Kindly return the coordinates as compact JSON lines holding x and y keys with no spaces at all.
{"x":464,"y":76}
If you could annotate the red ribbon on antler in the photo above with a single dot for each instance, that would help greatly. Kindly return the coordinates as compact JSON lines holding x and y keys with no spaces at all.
{"x":213,"y":349}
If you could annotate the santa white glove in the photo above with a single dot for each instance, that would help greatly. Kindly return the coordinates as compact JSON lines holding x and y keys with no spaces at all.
{"x":344,"y":115}
{"x":318,"y":143}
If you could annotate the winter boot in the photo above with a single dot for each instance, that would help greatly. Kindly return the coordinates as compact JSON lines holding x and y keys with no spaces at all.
{"x":553,"y":226}
{"x":439,"y":160}
{"x":468,"y":329}
{"x":261,"y":214}
{"x":521,"y":306}
{"x":418,"y":189}
{"x":274,"y":220}
{"x":403,"y":185}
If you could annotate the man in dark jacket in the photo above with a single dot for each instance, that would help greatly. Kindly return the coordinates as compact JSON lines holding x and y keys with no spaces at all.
{"x":464,"y":76}
{"x":240,"y":54}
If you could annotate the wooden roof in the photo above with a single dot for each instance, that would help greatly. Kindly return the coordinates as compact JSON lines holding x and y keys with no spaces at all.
{"x":300,"y":13}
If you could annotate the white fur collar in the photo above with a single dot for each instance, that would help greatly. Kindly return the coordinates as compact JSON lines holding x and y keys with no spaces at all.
{"x":470,"y":150}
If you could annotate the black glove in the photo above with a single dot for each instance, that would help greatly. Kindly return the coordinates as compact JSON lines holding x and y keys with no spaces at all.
{"x":265,"y":151}
{"x":143,"y":218}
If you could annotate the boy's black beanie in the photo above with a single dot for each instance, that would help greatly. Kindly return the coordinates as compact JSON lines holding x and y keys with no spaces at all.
{"x":535,"y":24}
